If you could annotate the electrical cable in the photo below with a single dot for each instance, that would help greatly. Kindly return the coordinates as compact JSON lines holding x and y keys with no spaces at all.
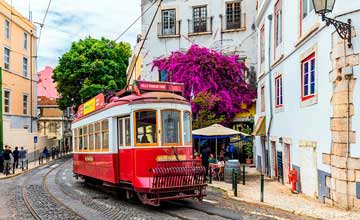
{"x":41,"y":26}
{"x":134,"y":22}
{"x":142,"y":44}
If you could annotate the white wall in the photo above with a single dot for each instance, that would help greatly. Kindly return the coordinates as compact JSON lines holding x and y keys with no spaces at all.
{"x":294,"y":121}
{"x":243,"y":42}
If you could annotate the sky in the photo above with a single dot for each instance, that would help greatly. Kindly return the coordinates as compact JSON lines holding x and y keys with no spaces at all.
{"x":71,"y":20}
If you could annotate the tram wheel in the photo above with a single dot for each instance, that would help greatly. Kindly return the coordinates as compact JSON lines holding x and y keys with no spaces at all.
{"x":92,"y":181}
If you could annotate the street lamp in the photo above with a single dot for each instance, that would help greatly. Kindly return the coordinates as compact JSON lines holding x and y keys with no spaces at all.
{"x":323,"y":7}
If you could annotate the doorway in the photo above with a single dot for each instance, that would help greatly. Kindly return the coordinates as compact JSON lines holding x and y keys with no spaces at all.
{"x":274,"y":158}
{"x":286,"y":162}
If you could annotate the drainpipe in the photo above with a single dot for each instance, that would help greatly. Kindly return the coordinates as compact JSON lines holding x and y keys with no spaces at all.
{"x":348,"y":77}
{"x":270,"y":17}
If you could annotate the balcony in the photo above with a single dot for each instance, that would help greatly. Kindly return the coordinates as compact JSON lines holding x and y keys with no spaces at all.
{"x":200,"y":26}
{"x":232,"y":25}
{"x":168,"y":30}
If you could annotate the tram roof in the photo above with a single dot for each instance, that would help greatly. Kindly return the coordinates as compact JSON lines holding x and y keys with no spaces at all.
{"x":132,"y":99}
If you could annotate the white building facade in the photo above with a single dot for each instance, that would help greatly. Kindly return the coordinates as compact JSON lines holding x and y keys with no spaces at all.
{"x":307,"y":84}
{"x":224,"y":25}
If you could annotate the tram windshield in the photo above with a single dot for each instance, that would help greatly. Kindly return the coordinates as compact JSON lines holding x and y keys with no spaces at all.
{"x":146,"y":122}
{"x":170,"y":127}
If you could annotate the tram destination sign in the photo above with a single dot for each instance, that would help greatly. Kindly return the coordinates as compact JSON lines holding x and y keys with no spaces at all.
{"x":92,"y":105}
{"x":160,"y":86}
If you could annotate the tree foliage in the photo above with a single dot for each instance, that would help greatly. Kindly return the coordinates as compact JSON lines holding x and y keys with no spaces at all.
{"x":214,"y":83}
{"x":90,"y":66}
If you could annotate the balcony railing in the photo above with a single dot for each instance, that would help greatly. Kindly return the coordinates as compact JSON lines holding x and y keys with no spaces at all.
{"x":169,"y":30}
{"x":233,"y":25}
{"x":200,"y":26}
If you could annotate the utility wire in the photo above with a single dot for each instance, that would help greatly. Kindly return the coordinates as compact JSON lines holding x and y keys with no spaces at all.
{"x":142,"y":44}
{"x":42,"y":25}
{"x":134,"y":22}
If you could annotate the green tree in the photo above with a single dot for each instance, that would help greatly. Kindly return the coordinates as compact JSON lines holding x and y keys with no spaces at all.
{"x":90,"y":66}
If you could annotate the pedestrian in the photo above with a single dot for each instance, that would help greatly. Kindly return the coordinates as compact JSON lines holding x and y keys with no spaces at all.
{"x":22,"y":156}
{"x":16,"y":157}
{"x":205,"y":154}
{"x":67,"y":148}
{"x":53,"y":152}
{"x":6,"y":157}
{"x":46,"y":154}
{"x":12,"y":163}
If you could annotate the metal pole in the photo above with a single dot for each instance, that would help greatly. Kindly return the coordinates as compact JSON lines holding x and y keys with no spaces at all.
{"x":243,"y":174}
{"x":216,"y":148}
{"x":262,"y":188}
{"x":210,"y":175}
{"x":232,"y":178}
{"x":235,"y":186}
{"x":1,"y":113}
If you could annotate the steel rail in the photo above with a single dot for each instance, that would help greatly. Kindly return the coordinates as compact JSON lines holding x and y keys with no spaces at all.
{"x":32,"y":210}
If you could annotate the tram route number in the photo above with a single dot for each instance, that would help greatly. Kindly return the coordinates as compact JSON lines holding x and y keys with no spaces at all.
{"x":89,"y":159}
{"x":170,"y":157}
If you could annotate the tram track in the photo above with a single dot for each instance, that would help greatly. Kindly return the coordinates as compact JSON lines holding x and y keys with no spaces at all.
{"x":40,"y":202}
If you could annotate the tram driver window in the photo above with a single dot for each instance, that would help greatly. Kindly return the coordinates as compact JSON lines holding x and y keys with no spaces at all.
{"x":187,"y":127}
{"x":170,"y":127}
{"x":146,"y":127}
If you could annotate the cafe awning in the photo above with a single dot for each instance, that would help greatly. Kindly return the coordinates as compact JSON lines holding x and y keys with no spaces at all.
{"x":216,"y":131}
{"x":260,"y":127}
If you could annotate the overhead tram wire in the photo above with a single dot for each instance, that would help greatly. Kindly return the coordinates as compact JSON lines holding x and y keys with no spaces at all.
{"x":134,"y":22}
{"x":142,"y":44}
{"x":41,"y":26}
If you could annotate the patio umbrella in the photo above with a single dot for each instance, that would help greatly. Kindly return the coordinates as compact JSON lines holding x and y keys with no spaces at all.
{"x":216,"y":131}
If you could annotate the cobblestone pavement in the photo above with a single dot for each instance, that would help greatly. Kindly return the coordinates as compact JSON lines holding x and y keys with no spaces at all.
{"x":101,"y":202}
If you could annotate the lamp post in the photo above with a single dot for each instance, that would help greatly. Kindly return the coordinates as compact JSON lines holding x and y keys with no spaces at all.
{"x":322,"y":7}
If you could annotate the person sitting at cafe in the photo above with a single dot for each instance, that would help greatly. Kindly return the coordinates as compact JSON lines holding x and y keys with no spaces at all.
{"x":212,"y":159}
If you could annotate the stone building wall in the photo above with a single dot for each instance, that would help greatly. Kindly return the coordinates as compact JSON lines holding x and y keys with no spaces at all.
{"x":344,"y":179}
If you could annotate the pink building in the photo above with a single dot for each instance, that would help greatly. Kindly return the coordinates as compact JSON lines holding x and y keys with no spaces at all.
{"x":46,"y":85}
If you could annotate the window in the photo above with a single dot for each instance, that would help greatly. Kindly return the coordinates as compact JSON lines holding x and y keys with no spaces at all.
{"x":307,"y":7}
{"x":170,"y":127}
{"x":97,"y":136}
{"x":25,"y":66}
{"x":278,"y":91}
{"x":308,"y":77}
{"x":199,"y":19}
{"x":168,"y":22}
{"x":187,"y":127}
{"x":80,"y":139}
{"x":262,"y":93}
{"x":91,"y":137}
{"x":105,"y":134}
{"x":262,"y":44}
{"x":52,"y":128}
{"x":7,"y":29}
{"x":25,"y":104}
{"x":127,"y":132}
{"x":120,"y":132}
{"x":233,"y":15}
{"x":85,"y":138}
{"x":278,"y":23}
{"x":25,"y":40}
{"x":146,"y":127}
{"x":124,"y":131}
{"x":162,"y":76}
{"x":7,"y":101}
{"x":76,"y":139}
{"x":6,"y":58}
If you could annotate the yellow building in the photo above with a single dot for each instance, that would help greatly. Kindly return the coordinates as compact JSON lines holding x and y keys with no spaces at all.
{"x":17,"y":59}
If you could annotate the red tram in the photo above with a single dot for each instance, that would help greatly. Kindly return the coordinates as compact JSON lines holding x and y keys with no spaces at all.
{"x":140,"y":143}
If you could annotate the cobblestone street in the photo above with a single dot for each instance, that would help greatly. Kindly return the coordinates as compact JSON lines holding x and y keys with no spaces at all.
{"x":51,"y":192}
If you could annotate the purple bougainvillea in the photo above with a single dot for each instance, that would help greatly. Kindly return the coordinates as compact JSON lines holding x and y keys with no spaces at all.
{"x":203,"y":70}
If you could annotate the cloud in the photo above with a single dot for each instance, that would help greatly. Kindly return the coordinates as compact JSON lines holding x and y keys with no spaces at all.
{"x":70,"y":20}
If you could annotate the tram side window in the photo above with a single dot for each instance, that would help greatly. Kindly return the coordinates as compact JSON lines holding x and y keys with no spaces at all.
{"x":97,"y":136}
{"x":170,"y":127}
{"x":105,"y":135}
{"x":85,"y":138}
{"x":187,"y":127}
{"x":146,"y":126}
{"x":76,"y":139}
{"x":91,"y":137}
{"x":120,"y":132}
{"x":80,"y":139}
{"x":127,"y":132}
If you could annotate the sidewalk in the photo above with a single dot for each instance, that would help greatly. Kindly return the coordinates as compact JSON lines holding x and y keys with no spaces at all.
{"x":32,"y":165}
{"x":279,"y":196}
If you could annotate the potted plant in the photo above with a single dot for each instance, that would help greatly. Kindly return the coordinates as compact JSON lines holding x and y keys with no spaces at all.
{"x":248,"y":148}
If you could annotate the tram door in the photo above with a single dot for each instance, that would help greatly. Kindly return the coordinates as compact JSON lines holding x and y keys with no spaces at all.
{"x":124,"y":142}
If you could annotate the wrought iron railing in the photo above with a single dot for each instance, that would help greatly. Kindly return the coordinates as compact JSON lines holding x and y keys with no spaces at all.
{"x":201,"y":25}
{"x":168,"y":29}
